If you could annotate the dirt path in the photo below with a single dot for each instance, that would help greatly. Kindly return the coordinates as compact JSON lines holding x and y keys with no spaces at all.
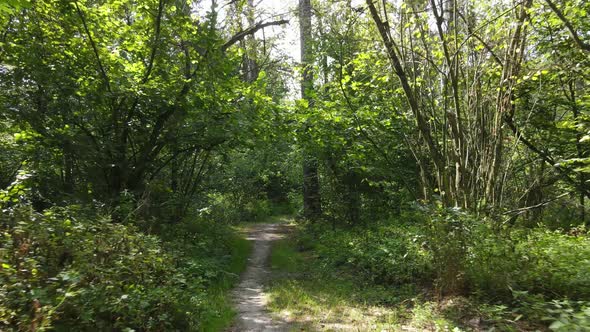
{"x":249,"y":298}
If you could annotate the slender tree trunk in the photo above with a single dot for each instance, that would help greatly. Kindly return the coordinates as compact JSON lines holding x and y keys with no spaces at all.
{"x":312,"y":208}
{"x":579,"y":149}
{"x":435,"y":154}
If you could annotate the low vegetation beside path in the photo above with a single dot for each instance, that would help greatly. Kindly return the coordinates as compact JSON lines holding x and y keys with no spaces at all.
{"x":70,"y":269}
{"x":390,"y":277}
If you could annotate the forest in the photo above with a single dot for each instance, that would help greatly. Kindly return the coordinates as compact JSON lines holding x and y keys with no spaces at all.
{"x":426,"y":163}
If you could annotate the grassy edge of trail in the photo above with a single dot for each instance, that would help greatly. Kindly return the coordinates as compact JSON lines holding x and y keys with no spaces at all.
{"x":314,"y":296}
{"x":222,"y":313}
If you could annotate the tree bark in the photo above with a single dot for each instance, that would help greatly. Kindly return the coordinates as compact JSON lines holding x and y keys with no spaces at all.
{"x":312,"y":207}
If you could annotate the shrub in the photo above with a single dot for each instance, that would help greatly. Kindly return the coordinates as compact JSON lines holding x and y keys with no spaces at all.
{"x":538,"y":260}
{"x":568,"y":316}
{"x":231,"y":209}
{"x":447,"y":233}
{"x":492,"y":265}
{"x":68,"y":267}
{"x":555,"y":264}
{"x":62,"y":268}
{"x":389,"y":254}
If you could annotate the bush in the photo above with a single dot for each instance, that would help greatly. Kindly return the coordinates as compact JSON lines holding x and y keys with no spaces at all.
{"x":555,"y":264}
{"x":492,"y":265}
{"x":68,"y":267}
{"x":231,"y":209}
{"x":496,"y":263}
{"x":538,"y":260}
{"x":448,"y":231}
{"x":568,"y":316}
{"x":388,"y":254}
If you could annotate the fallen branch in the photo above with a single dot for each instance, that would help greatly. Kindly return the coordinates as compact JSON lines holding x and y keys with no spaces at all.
{"x":536,"y":206}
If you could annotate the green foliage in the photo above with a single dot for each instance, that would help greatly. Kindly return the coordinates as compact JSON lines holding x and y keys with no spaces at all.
{"x":69,"y":267}
{"x":110,"y":96}
{"x":539,"y":260}
{"x":559,"y":315}
{"x":569,"y":316}
{"x":450,"y":249}
{"x":252,"y":184}
{"x":118,"y":119}
{"x":386,"y":254}
{"x":447,"y":237}
{"x":491,"y":261}
{"x":555,"y":263}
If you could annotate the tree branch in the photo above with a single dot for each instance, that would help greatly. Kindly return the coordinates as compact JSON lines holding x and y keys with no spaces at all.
{"x":249,"y":31}
{"x":569,"y":26}
{"x":94,"y":48}
{"x":392,"y":52}
{"x":150,"y":65}
{"x":545,"y":157}
{"x":536,"y":206}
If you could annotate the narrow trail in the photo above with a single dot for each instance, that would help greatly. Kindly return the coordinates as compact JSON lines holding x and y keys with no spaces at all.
{"x":249,"y":298}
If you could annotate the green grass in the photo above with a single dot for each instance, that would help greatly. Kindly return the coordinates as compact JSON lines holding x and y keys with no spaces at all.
{"x":221,"y":312}
{"x":316,"y":297}
{"x":285,"y":258}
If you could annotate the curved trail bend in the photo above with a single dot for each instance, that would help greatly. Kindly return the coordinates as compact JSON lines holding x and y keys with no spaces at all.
{"x":249,"y":297}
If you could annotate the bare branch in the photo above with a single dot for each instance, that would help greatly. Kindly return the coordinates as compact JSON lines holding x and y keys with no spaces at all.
{"x":536,"y":206}
{"x":251,"y":30}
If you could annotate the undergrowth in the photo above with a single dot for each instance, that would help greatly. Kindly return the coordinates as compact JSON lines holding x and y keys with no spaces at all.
{"x":390,"y":275}
{"x":313,"y":295}
{"x":71,"y":268}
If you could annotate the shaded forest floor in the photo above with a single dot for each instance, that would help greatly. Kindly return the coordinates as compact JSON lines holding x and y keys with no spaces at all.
{"x":311,"y":296}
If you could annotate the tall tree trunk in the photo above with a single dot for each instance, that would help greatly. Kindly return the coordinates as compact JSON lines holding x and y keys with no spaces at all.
{"x":251,"y":68}
{"x":579,"y":149}
{"x":312,"y":208}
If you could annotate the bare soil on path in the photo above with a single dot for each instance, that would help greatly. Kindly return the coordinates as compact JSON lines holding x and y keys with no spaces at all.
{"x":249,"y":298}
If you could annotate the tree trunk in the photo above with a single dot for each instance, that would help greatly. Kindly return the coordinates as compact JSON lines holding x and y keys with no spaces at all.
{"x":579,"y":149}
{"x":311,"y":184}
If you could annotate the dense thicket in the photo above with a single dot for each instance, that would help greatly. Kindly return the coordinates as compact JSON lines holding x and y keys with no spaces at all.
{"x":438,"y":142}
